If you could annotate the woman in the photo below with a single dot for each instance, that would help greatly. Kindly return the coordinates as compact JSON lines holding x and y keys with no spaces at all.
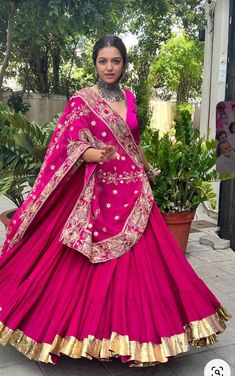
{"x":89,"y":268}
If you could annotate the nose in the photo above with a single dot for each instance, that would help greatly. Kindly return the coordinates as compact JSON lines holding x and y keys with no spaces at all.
{"x":109,"y":66}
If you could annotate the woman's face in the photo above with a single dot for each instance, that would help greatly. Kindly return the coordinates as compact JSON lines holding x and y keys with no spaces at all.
{"x":223,"y":137}
{"x":226,"y":149}
{"x":109,"y":64}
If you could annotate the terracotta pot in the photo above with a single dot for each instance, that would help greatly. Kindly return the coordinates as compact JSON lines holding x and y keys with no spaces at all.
{"x":6,"y":216}
{"x":179,"y":225}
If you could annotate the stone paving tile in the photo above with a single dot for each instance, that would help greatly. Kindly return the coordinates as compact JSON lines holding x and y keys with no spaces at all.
{"x":116,"y":368}
{"x":225,"y":338}
{"x":227,"y":252}
{"x":214,"y":241}
{"x":211,"y":231}
{"x":227,"y":353}
{"x":210,"y":271}
{"x":23,"y":369}
{"x":194,"y":261}
{"x":228,"y":266}
{"x":195,"y":247}
{"x":214,"y":256}
{"x":10,"y":356}
{"x":196,"y":236}
{"x":192,"y":365}
{"x":225,"y":284}
{"x":72,"y":367}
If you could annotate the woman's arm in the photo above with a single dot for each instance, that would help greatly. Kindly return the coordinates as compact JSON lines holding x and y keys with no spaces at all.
{"x":144,"y":159}
{"x":152,"y":173}
{"x":93,"y":155}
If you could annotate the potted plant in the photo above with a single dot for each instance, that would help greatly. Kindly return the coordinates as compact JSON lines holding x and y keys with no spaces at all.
{"x":22,"y":148}
{"x":187,"y":168}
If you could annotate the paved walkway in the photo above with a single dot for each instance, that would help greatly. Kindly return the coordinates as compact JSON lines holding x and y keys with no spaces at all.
{"x":215,"y":267}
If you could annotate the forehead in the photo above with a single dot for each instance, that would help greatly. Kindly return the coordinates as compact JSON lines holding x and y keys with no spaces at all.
{"x":109,"y":52}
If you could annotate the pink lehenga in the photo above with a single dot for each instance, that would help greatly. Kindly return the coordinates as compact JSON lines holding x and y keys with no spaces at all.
{"x":89,"y":268}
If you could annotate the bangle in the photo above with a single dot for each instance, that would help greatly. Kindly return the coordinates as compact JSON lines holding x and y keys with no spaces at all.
{"x":149,"y":173}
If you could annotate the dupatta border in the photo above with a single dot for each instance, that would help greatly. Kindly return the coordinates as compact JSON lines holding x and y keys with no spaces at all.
{"x":74,"y":150}
{"x":137,"y":220}
{"x":33,"y":207}
{"x":112,"y":120}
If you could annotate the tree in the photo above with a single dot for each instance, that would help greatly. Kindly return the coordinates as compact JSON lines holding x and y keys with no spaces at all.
{"x":178,"y":68}
{"x":188,"y":15}
{"x":46,"y":35}
{"x":9,"y":8}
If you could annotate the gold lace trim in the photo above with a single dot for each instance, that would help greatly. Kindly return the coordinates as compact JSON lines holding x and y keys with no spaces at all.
{"x":197,"y":333}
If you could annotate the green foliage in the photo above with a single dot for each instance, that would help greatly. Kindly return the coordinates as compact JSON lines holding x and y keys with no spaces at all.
{"x":17,"y":103}
{"x":22,"y":149}
{"x":187,"y":165}
{"x":178,"y":68}
{"x":189,"y":15}
{"x":47,"y":34}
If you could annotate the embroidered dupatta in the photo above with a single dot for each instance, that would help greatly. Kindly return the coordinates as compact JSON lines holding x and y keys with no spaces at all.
{"x":115,"y":199}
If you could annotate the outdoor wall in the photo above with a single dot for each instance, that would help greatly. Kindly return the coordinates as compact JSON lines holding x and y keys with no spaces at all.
{"x":215,"y":63}
{"x":43,"y":107}
{"x":163,"y":115}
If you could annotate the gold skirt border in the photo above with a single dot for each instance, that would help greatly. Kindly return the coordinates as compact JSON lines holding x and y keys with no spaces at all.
{"x":197,"y":333}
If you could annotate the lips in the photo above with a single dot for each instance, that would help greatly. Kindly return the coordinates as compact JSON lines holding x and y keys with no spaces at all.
{"x":110,"y":75}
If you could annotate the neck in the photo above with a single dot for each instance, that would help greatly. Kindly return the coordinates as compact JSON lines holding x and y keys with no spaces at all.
{"x":107,"y":86}
{"x":110,"y":92}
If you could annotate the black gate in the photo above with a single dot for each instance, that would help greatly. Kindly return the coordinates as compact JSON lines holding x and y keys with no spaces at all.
{"x":226,"y":219}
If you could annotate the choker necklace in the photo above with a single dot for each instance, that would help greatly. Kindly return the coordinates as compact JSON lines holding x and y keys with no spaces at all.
{"x":110,"y":92}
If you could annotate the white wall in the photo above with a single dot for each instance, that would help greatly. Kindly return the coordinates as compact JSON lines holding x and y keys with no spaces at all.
{"x":44,"y":107}
{"x":216,"y":50}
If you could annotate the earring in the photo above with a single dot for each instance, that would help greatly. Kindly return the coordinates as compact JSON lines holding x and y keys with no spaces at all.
{"x":96,"y":74}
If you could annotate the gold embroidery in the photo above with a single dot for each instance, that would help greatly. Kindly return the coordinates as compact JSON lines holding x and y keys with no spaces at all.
{"x":76,"y":233}
{"x":33,"y":207}
{"x":113,"y":120}
{"x":198,"y":333}
{"x":74,"y":150}
{"x":114,"y":246}
{"x":114,"y":178}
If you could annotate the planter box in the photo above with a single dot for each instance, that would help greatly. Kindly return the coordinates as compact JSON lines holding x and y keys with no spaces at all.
{"x":179,"y":225}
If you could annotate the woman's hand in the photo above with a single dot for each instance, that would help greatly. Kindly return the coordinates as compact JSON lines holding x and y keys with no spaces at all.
{"x":108,"y":153}
{"x":153,"y":177}
{"x":152,"y":174}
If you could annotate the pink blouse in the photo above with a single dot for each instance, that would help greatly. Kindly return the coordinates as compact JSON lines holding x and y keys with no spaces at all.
{"x":131,"y":116}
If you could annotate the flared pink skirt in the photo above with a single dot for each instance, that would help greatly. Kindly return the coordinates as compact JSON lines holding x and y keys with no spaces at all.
{"x":145,"y":306}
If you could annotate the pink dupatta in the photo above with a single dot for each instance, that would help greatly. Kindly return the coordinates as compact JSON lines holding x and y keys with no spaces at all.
{"x":115,"y":198}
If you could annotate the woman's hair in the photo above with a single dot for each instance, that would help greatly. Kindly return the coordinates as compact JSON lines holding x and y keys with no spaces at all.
{"x":219,"y":133}
{"x":222,"y":114}
{"x":218,"y":150}
{"x":109,"y":41}
{"x":231,"y":126}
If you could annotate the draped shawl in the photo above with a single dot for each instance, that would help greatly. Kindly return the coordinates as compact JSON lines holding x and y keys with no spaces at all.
{"x":114,"y":199}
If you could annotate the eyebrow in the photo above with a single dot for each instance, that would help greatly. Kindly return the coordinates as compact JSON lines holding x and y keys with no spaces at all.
{"x":117,"y":57}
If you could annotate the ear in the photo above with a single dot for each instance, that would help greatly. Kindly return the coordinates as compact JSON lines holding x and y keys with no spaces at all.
{"x":122,"y":77}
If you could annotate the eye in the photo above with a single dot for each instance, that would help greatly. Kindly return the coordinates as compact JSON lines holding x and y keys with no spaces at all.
{"x":117,"y":61}
{"x":102,"y":61}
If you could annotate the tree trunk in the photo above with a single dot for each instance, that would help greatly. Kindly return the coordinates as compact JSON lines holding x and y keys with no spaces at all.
{"x":39,"y":66}
{"x":56,"y":66}
{"x":4,"y":66}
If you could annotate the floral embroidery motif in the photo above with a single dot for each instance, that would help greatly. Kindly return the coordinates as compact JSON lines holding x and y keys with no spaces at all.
{"x":74,"y":150}
{"x":31,"y":210}
{"x":113,"y":121}
{"x":78,"y":231}
{"x":114,"y":178}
